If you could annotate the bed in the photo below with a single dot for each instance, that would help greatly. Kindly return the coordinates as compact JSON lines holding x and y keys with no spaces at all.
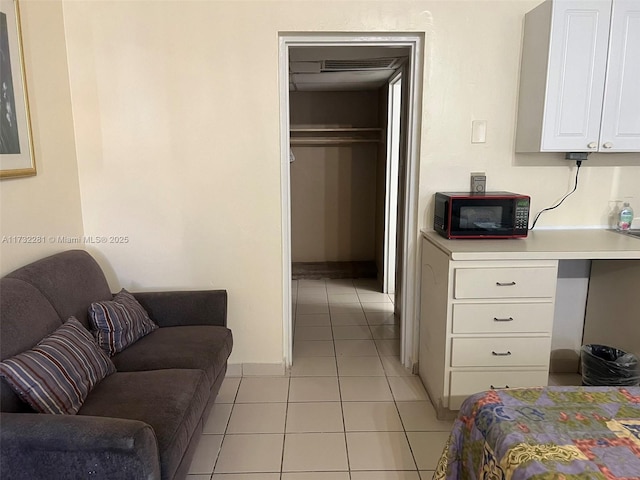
{"x":545,"y":433}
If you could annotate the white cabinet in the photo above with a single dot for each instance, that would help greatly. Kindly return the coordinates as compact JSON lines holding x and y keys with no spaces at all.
{"x":580,"y":77}
{"x":483,"y":324}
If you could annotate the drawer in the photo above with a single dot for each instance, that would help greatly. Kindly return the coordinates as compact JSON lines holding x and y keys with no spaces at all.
{"x":500,"y":352}
{"x":508,"y":282}
{"x":464,"y":384}
{"x":502,"y":318}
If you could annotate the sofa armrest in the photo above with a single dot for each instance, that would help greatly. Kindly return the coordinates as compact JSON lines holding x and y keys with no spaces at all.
{"x":170,"y":309}
{"x":40,"y":446}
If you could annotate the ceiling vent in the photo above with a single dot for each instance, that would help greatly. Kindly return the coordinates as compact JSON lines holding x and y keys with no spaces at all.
{"x":360,"y":64}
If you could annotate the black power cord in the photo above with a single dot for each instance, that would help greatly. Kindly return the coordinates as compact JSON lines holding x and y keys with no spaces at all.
{"x":578,"y":163}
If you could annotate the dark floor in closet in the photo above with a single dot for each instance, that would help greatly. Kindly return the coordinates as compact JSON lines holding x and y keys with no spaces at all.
{"x":317,"y":270}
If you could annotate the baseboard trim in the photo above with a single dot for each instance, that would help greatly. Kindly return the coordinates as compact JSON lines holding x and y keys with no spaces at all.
{"x":256,"y":370}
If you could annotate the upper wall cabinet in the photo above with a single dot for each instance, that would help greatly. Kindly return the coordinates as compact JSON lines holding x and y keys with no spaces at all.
{"x":580,"y":77}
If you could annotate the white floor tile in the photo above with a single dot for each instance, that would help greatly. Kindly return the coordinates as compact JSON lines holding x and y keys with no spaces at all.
{"x":206,"y":454}
{"x":425,"y":474}
{"x":314,"y":389}
{"x":314,"y":417}
{"x":385,"y":476}
{"x":365,"y":389}
{"x":304,"y":452}
{"x":342,"y":308}
{"x":421,"y":417}
{"x":312,"y":290}
{"x":244,"y":476}
{"x":263,"y":390}
{"x":385,"y":331}
{"x":311,"y":308}
{"x":356,"y":318}
{"x":374,"y":297}
{"x":390,"y":348}
{"x":311,"y":298}
{"x":206,"y":476}
{"x":228,"y":390}
{"x":371,"y":451}
{"x":380,"y":318}
{"x":378,"y":307}
{"x":371,"y":417}
{"x":340,"y":298}
{"x":427,"y":448}
{"x":360,"y":366}
{"x":393,"y":367}
{"x":314,"y":367}
{"x":312,"y":333}
{"x":367,"y":285}
{"x":313,"y":320}
{"x":315,"y":476}
{"x":407,"y":389}
{"x":218,"y":418}
{"x":310,"y":283}
{"x":257,"y":418}
{"x":313,"y":348}
{"x":355,"y":348}
{"x":250,"y":454}
{"x":351,"y":332}
{"x":565,"y":379}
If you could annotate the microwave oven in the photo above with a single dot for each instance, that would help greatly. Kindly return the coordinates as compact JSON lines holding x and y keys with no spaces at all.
{"x":481,"y":215}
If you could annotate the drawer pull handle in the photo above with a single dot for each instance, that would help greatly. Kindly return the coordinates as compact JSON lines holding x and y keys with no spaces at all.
{"x":505,"y":284}
{"x":496,"y":319}
{"x":496,"y":388}
{"x":501,"y":354}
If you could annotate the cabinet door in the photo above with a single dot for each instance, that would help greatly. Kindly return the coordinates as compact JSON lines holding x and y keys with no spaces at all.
{"x":621,"y":114}
{"x":576,"y":75}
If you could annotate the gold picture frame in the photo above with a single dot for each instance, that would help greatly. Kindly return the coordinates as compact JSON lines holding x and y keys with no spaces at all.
{"x":16,"y":142}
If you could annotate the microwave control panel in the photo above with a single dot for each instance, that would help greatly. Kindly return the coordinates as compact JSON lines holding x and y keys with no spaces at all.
{"x":522,"y":214}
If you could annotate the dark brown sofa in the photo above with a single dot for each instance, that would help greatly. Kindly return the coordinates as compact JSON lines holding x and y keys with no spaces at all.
{"x":142,"y":422}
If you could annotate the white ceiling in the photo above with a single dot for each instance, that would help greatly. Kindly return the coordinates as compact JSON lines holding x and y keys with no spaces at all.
{"x":343,"y":68}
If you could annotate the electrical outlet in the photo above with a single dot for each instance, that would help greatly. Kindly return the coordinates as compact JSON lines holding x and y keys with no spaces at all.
{"x":478,"y":182}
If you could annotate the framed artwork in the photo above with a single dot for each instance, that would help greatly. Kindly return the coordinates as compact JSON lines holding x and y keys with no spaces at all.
{"x":16,"y":145}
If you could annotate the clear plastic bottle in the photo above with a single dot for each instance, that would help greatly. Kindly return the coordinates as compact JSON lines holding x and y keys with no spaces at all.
{"x":625,"y":217}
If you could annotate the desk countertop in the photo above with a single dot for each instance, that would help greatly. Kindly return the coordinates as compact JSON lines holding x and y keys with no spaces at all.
{"x":590,"y":244}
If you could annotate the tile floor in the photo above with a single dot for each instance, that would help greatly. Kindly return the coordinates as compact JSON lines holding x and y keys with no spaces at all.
{"x":348,"y":410}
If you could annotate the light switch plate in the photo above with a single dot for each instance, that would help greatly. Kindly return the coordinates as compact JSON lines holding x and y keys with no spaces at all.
{"x":479,"y":131}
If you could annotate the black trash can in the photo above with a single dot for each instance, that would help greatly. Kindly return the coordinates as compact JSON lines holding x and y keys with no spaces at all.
{"x":608,"y":366}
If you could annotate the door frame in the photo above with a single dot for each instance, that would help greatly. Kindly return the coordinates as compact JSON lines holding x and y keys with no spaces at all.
{"x":409,"y":297}
{"x":394,"y":121}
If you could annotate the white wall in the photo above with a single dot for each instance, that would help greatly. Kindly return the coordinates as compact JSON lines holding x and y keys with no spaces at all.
{"x":48,"y":205}
{"x":176,"y":114}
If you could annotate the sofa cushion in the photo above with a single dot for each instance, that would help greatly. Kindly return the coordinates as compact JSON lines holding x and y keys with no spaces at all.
{"x":59,"y":372}
{"x":70,"y":280}
{"x":171,"y":401}
{"x":205,"y":347}
{"x":120,"y":322}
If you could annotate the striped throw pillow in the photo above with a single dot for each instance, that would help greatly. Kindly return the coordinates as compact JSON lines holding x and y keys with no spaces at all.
{"x":58,"y":373}
{"x":119,"y":322}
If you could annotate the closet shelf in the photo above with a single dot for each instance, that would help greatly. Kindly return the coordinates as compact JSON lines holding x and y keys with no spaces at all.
{"x":334,"y":136}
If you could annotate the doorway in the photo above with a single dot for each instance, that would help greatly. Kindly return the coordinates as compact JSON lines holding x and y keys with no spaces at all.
{"x":404,"y":196}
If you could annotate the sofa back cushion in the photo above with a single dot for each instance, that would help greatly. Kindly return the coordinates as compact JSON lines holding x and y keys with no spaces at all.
{"x":26,"y":318}
{"x":70,"y":280}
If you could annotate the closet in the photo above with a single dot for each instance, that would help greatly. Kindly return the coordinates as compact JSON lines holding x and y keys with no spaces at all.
{"x":338,"y":145}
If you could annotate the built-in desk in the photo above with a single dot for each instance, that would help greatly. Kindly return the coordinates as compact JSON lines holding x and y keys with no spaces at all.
{"x":487,"y":307}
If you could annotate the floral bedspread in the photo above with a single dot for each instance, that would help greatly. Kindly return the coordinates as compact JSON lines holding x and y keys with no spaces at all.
{"x":545,"y":433}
